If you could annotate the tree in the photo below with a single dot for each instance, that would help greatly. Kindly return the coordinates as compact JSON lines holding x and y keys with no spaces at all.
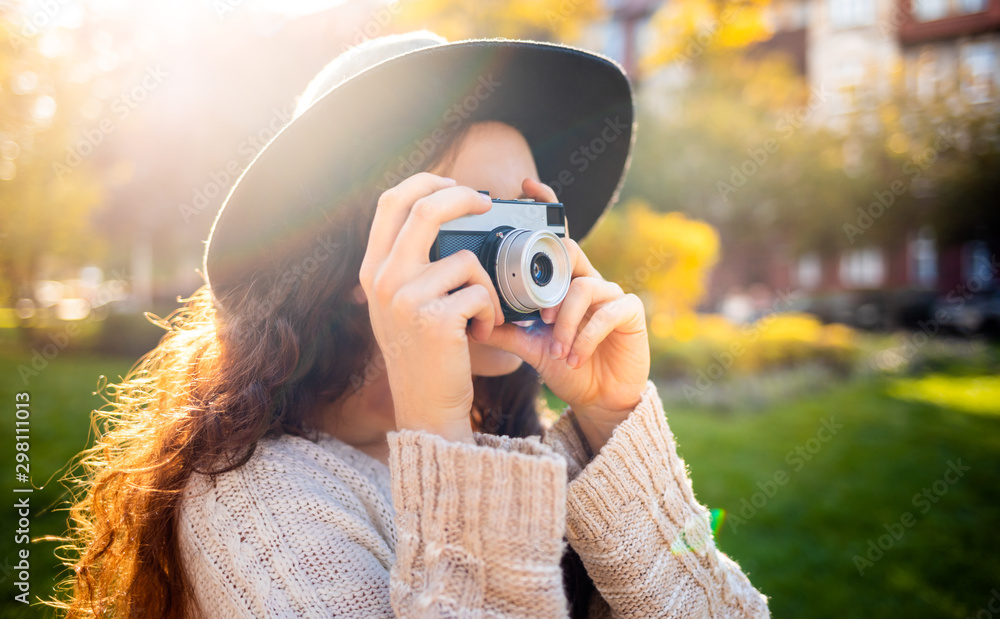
{"x":46,"y":197}
{"x":663,"y":257}
{"x":559,"y":20}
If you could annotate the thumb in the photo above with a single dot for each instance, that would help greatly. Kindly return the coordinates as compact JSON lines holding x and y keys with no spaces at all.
{"x":529,"y":343}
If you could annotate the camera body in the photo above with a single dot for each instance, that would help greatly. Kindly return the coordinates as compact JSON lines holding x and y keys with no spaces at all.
{"x":518,"y":243}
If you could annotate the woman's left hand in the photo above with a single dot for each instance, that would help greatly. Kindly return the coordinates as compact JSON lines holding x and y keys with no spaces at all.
{"x":593,"y":351}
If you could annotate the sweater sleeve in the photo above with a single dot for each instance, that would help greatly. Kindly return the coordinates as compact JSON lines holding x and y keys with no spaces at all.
{"x":480,"y":527}
{"x":633,"y":519}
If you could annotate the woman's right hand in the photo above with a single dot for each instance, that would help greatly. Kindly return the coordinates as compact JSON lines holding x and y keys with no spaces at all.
{"x":420,"y":328}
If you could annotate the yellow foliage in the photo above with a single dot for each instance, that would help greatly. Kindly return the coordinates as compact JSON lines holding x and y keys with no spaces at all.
{"x":686,"y":29}
{"x":534,"y":19}
{"x":663,"y":257}
{"x":971,"y":394}
{"x":773,"y":340}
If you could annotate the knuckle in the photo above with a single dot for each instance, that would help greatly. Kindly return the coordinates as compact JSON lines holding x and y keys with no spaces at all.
{"x":423,"y":208}
{"x":584,"y":283}
{"x":365,"y":276}
{"x":467,"y":257}
{"x":387,"y":198}
{"x":385,"y":289}
{"x":482,"y":295}
{"x":584,"y":341}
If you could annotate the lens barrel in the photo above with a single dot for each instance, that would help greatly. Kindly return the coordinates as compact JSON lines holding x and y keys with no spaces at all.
{"x":531,"y":269}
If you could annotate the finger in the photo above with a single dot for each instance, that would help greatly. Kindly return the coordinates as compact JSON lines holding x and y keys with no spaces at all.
{"x":624,"y":314}
{"x":530,"y":344}
{"x":538,"y":191}
{"x":580,"y":266}
{"x":413,"y":244}
{"x":390,"y":214}
{"x":579,"y":261}
{"x":472,"y":303}
{"x":455,"y":271}
{"x":584,"y":293}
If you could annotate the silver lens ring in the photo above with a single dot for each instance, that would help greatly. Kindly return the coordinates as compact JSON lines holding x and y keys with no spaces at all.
{"x":518,"y":254}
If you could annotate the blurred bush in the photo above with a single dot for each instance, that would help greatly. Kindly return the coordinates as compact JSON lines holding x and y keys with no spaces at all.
{"x":716,"y":348}
{"x":665,"y":258}
{"x":128,"y":334}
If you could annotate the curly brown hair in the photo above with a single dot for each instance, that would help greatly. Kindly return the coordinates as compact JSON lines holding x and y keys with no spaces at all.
{"x":259,"y":362}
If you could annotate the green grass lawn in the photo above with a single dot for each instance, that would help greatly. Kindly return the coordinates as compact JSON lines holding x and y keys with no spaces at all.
{"x":61,"y":398}
{"x":798,"y":545}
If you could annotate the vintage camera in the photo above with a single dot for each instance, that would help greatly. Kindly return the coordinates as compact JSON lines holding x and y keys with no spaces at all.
{"x":518,"y":244}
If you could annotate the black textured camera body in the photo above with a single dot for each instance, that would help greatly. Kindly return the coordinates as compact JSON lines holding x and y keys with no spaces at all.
{"x":484,"y":235}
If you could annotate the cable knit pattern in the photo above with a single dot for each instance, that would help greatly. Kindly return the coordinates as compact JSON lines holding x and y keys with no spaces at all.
{"x":319,"y":529}
{"x":645,"y":540}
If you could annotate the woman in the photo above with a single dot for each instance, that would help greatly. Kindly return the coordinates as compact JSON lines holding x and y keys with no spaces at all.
{"x":336,"y":425}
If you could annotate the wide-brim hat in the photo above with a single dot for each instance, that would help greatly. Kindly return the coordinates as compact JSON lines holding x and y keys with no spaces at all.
{"x":388,"y":102}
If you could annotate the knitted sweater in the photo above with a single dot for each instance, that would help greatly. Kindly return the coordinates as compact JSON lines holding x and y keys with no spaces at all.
{"x":320,"y":529}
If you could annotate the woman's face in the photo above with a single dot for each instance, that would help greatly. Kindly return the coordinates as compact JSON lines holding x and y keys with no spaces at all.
{"x":493,"y":157}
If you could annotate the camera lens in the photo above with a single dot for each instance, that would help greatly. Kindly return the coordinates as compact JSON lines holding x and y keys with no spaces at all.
{"x":541,"y":269}
{"x":532,"y":269}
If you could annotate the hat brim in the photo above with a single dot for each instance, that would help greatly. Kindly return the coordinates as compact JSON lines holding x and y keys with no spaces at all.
{"x":573,"y":107}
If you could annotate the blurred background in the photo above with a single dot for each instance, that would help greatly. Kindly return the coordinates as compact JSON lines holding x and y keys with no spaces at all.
{"x":811,"y":217}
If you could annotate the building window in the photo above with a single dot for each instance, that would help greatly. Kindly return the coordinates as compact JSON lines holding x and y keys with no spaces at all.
{"x":788,"y":15}
{"x":809,"y":271}
{"x":978,"y":71}
{"x":614,"y":40}
{"x":798,"y":15}
{"x":929,"y":10}
{"x":923,"y":259}
{"x":851,"y":13}
{"x":926,"y":76}
{"x":862,"y":268}
{"x":972,"y":6}
{"x":977,"y":264}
